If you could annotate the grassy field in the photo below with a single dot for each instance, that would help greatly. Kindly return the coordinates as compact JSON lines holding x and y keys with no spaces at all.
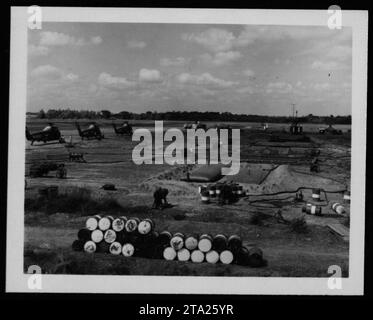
{"x":51,"y":227}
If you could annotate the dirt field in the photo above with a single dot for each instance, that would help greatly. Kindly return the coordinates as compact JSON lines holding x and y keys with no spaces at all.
{"x":268,"y":167}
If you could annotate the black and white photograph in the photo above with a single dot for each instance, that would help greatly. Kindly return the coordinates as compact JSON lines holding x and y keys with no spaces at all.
{"x":187,"y":151}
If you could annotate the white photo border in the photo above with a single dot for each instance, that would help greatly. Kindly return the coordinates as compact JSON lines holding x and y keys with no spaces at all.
{"x":16,"y":280}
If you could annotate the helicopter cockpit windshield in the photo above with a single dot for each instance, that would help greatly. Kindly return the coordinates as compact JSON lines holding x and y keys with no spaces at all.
{"x":47,"y":128}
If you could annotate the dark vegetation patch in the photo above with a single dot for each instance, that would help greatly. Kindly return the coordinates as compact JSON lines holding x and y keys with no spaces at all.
{"x":258,"y":218}
{"x":78,"y":200}
{"x":299,"y":225}
{"x":346,"y":222}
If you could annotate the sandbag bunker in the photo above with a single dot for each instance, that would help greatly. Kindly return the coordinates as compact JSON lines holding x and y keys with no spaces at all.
{"x":134,"y":237}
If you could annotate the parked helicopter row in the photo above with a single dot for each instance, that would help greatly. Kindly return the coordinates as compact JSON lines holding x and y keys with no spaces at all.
{"x":93,"y":131}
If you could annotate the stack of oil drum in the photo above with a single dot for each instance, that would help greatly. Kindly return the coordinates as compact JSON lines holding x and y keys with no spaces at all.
{"x":229,"y":192}
{"x":122,"y":235}
{"x":205,"y":248}
{"x":135,"y":237}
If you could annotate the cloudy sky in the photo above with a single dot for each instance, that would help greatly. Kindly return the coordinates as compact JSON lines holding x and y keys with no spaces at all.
{"x":164,"y":67}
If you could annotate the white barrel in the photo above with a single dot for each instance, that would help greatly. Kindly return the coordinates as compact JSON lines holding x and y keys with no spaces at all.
{"x":212,"y":191}
{"x":197,"y":256}
{"x":97,"y":235}
{"x":191,"y":243}
{"x":132,"y":224}
{"x":90,"y":247}
{"x":205,"y":243}
{"x":128,"y":250}
{"x":218,"y":190}
{"x":115,"y":248}
{"x":118,"y":224}
{"x":201,"y":188}
{"x":240,"y":191}
{"x":177,"y":241}
{"x":226,"y":257}
{"x":145,"y":226}
{"x":110,"y":236}
{"x":92,"y":223}
{"x":316,"y":194}
{"x":183,"y":254}
{"x":347,"y":197}
{"x":169,"y":253}
{"x":105,"y":223}
{"x":212,"y":256}
{"x":338,"y":208}
{"x":312,"y":209}
{"x":205,"y":196}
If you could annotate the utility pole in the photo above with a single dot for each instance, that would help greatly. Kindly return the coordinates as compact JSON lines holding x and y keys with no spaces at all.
{"x":293,"y":109}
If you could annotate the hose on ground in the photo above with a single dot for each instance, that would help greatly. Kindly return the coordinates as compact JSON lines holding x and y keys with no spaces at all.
{"x":295,"y":191}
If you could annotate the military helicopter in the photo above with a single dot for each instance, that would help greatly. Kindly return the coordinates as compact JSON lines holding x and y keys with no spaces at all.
{"x":49,"y":133}
{"x":125,"y":128}
{"x":93,"y":131}
{"x":196,"y":125}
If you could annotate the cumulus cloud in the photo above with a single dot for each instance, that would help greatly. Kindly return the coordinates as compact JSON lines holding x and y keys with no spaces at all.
{"x":176,"y":62}
{"x":267,"y":33}
{"x":219,"y":39}
{"x":52,"y":73}
{"x":108,"y":81}
{"x":246,"y":90}
{"x":205,"y":79}
{"x":46,"y":71}
{"x":279,"y":87}
{"x":96,"y":40}
{"x":325,"y":65}
{"x":249,"y":73}
{"x":37,"y":50}
{"x":322,"y":86}
{"x":136,"y":44}
{"x":50,"y":38}
{"x":148,"y":75}
{"x":72,"y":76}
{"x":214,"y":39}
{"x":340,"y":52}
{"x":221,"y":58}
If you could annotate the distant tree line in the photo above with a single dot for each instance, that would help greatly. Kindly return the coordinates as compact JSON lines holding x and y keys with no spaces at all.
{"x":187,"y":116}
